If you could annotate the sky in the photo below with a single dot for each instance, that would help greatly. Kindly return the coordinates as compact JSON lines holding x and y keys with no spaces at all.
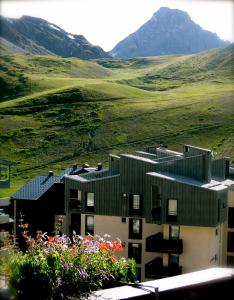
{"x":106,"y":22}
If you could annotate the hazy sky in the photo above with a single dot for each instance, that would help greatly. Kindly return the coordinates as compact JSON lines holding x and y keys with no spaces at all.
{"x":106,"y":22}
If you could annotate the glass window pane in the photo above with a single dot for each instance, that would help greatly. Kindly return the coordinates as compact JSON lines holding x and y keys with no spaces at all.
{"x":230,"y":247}
{"x":135,"y":252}
{"x":75,"y":195}
{"x":136,"y":202}
{"x":172,"y":207}
{"x":231,"y":217}
{"x":90,"y":222}
{"x":79,"y":195}
{"x":230,"y":261}
{"x":136,"y":226}
{"x":90,"y":199}
{"x":174,"y":232}
{"x":138,"y":274}
{"x":173,"y":259}
{"x":89,"y":226}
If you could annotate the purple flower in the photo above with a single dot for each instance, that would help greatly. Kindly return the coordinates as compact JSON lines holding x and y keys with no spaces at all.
{"x":58,"y":281}
{"x":83,"y":274}
{"x":67,"y":267}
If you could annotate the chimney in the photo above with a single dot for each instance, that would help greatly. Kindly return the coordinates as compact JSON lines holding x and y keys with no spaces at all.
{"x":99,"y":166}
{"x":51,"y":173}
{"x":85,"y":165}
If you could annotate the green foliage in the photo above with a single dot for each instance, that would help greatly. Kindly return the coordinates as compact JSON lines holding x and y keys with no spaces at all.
{"x":53,"y":267}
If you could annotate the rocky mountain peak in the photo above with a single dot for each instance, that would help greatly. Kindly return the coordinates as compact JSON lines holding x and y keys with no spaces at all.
{"x":169,"y":31}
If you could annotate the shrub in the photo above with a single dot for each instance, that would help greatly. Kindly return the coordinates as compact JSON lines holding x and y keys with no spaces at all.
{"x":58,"y":268}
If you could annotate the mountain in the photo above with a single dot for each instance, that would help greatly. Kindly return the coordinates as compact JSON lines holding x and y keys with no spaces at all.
{"x":37,"y":36}
{"x":169,"y":31}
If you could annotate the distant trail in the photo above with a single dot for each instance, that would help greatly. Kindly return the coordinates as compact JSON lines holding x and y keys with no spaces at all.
{"x":138,"y":141}
{"x":150,"y":112}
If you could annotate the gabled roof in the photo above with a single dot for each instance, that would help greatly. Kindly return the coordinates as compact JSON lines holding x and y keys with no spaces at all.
{"x":40,"y":184}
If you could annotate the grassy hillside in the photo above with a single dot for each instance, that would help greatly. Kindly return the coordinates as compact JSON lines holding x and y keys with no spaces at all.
{"x":22,"y":75}
{"x":78,"y":111}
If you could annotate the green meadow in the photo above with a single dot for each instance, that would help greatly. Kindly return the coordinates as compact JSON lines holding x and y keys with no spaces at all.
{"x":56,"y":112}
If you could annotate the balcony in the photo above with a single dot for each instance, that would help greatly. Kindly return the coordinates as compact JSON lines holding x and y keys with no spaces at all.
{"x":155,"y":270}
{"x":156,"y":243}
{"x":74,"y":204}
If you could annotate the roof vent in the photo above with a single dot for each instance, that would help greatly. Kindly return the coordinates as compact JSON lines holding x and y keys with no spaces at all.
{"x":51,"y":173}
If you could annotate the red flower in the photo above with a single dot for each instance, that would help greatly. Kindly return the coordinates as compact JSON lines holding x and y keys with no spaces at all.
{"x":88,"y":238}
{"x":103,"y":246}
{"x":51,"y":239}
{"x":117,"y":246}
{"x":24,"y":234}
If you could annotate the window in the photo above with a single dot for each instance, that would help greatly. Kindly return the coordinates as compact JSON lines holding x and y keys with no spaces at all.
{"x":75,"y":223}
{"x":218,"y":209}
{"x":156,"y":204}
{"x":135,"y":228}
{"x":89,"y":202}
{"x":89,"y":224}
{"x":172,"y":210}
{"x":174,"y":232}
{"x":230,"y":242}
{"x":231,"y":217}
{"x":186,"y":148}
{"x":138,"y":274}
{"x":135,"y":204}
{"x":134,"y":251}
{"x":230,"y":261}
{"x":75,"y":198}
{"x":173,"y":260}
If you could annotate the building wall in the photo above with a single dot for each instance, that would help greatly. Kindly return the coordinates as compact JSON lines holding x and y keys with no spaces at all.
{"x":107,"y":194}
{"x":200,"y":248}
{"x":228,"y":237}
{"x":197,"y":206}
{"x":231,"y":197}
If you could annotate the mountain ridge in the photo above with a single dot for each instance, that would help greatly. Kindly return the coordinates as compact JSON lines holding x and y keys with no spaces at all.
{"x":38,"y":36}
{"x":169,"y":31}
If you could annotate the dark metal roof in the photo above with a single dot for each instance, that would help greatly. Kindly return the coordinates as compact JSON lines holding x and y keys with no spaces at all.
{"x":3,"y":168}
{"x":40,"y":184}
{"x":7,"y":162}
